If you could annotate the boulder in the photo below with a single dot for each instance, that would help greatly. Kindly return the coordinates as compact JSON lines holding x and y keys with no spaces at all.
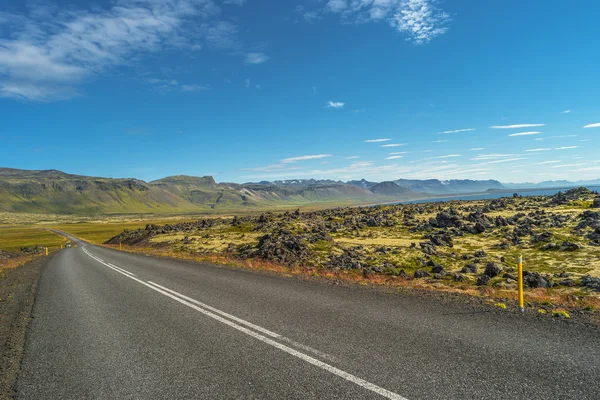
{"x":492,"y":269}
{"x":469,"y":269}
{"x":419,"y":273}
{"x":483,"y":280}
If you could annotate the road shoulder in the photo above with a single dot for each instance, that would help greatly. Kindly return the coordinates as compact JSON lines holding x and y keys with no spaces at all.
{"x":18,"y":288}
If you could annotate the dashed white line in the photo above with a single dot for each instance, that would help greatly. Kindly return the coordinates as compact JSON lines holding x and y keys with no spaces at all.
{"x":194,"y":304}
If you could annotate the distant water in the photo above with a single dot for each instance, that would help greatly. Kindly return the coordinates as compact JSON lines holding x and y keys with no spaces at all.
{"x":495,"y":195}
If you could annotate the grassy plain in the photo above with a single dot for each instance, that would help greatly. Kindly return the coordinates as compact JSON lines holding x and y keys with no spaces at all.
{"x":12,"y":238}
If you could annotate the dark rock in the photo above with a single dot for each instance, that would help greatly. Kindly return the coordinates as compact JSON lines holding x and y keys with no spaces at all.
{"x":567,"y":282}
{"x":535,"y":280}
{"x":569,"y":246}
{"x":591,"y":282}
{"x":428,"y":248}
{"x":419,"y":273}
{"x":437,"y":269}
{"x":458,"y":277}
{"x":542,"y":237}
{"x":480,"y":254}
{"x":483,"y":280}
{"x":469,"y":269}
{"x":492,"y":269}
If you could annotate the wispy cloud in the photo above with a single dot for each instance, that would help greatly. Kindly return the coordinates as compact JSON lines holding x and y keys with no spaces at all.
{"x":194,"y":88}
{"x":377,"y":140}
{"x":399,"y":152}
{"x":567,"y":165}
{"x":393,"y":145}
{"x":536,"y":150}
{"x":352,"y":157}
{"x":47,"y":57}
{"x":304,"y":158}
{"x":566,"y":147}
{"x":596,"y":125}
{"x":565,"y":112}
{"x":477,"y":149}
{"x":525,"y":133}
{"x":256,"y":58}
{"x":457,"y":131}
{"x":419,"y":20}
{"x":335,"y":104}
{"x":548,"y":162}
{"x":393,"y":157}
{"x":503,"y":161}
{"x":516,"y":126}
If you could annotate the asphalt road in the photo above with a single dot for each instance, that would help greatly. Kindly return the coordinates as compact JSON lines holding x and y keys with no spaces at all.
{"x":115,"y":325}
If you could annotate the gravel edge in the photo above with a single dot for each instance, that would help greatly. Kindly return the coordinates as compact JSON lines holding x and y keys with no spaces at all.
{"x":18,"y":288}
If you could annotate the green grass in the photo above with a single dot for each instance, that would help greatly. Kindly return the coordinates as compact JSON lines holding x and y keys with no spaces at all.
{"x":13,"y":238}
{"x":100,"y":232}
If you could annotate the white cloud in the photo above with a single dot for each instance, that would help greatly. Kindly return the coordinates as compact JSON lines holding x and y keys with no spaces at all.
{"x":548,"y":162}
{"x":565,"y":112}
{"x":194,"y":88}
{"x":419,"y":20}
{"x":440,"y":141}
{"x":535,"y":150}
{"x":502,"y":161}
{"x":394,"y":157}
{"x":566,"y":147}
{"x":457,"y":131}
{"x":525,"y":133}
{"x":352,"y":157}
{"x":450,"y":156}
{"x":517,"y":126}
{"x":596,"y":125}
{"x":304,"y":158}
{"x":256,"y":58}
{"x":399,"y":152}
{"x":566,"y":165}
{"x":335,"y":104}
{"x":56,"y":52}
{"x":393,"y":145}
{"x":377,"y":140}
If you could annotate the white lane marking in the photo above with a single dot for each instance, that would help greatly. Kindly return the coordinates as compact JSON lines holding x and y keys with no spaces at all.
{"x":329,"y":368}
{"x":217,"y":311}
{"x":248,"y":324}
{"x":109,"y":265}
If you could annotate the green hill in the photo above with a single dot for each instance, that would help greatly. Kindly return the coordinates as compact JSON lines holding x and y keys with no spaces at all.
{"x":57,"y":192}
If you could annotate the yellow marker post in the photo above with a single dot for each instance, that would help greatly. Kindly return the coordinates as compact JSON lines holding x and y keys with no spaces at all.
{"x":46,"y":251}
{"x":521,"y":300}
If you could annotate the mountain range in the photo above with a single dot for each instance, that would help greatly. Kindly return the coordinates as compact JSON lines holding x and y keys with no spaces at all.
{"x":52,"y":191}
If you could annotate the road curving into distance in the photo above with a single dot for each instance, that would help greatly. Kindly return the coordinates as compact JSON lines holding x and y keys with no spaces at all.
{"x":111,"y":324}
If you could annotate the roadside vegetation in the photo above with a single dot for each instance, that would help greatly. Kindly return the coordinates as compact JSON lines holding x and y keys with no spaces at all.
{"x":461,"y":246}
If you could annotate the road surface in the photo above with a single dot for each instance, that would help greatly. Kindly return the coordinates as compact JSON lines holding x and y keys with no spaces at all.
{"x":116,"y":325}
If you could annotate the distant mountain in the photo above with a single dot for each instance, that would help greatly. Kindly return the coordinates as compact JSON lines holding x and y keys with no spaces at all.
{"x":57,"y":192}
{"x":454,"y":186}
{"x":54,"y":191}
{"x":392,"y":189}
{"x":552,"y":184}
{"x":363,"y":183}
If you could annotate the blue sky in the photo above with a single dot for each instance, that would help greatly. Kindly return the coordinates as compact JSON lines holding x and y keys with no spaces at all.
{"x":250,"y":90}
